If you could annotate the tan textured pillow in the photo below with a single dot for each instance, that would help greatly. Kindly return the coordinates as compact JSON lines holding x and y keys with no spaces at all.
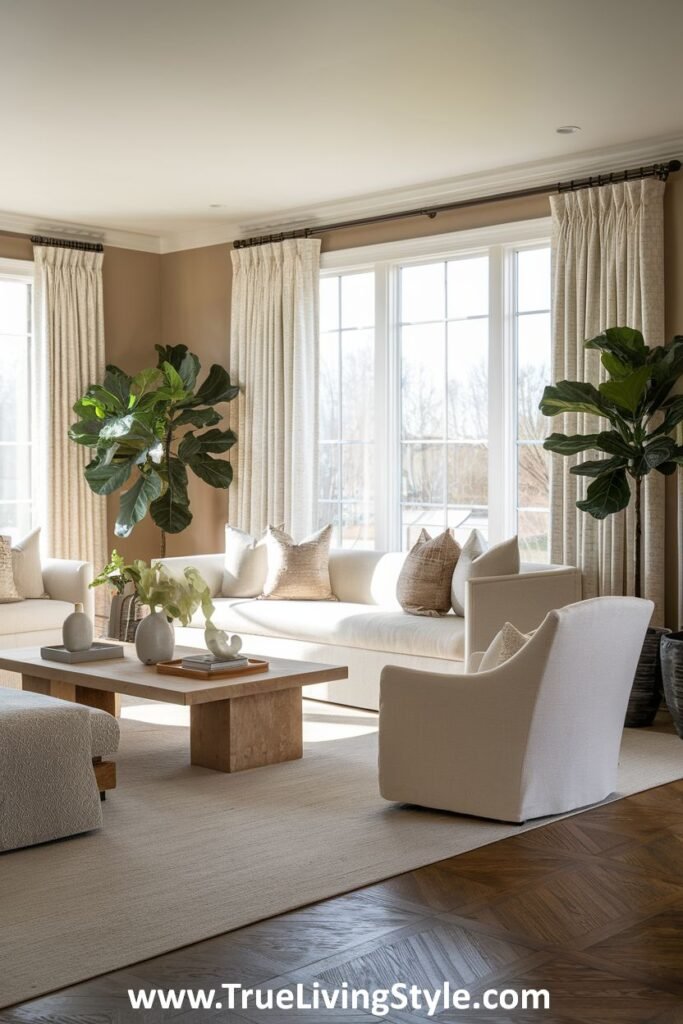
{"x":424,"y":584}
{"x":28,"y":574}
{"x":8,"y":589}
{"x":298,"y":572}
{"x":506,"y":643}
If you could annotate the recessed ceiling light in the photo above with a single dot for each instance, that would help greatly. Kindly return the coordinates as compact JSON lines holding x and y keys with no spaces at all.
{"x":567,"y":129}
{"x":216,"y":206}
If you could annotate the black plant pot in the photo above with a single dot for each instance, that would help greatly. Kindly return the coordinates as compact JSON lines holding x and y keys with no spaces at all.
{"x":672,"y":676}
{"x":646,"y":693}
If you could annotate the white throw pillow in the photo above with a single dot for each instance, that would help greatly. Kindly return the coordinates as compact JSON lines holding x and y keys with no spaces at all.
{"x":245,"y":565}
{"x":28,"y":573}
{"x":505,"y":644}
{"x":476,"y":560}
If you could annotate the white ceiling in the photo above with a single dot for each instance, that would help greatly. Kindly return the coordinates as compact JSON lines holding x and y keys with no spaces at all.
{"x":136,"y":115}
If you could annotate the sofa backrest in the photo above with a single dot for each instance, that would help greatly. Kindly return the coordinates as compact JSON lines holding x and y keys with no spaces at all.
{"x":366,"y":577}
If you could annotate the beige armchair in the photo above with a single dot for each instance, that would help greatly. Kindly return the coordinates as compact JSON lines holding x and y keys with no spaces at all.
{"x":539,"y":735}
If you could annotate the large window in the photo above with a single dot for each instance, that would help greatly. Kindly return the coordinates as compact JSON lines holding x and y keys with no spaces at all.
{"x":432,"y":364}
{"x":16,"y":455}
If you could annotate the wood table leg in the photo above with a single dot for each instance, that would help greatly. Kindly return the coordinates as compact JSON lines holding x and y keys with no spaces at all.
{"x":104,"y":700}
{"x":48,"y":687}
{"x":247,"y":732}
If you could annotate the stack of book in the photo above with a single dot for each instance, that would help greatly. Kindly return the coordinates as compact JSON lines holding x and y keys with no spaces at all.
{"x":210,"y":663}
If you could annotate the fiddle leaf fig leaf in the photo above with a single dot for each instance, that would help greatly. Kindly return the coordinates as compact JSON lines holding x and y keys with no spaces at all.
{"x":570,"y":444}
{"x":135,"y":502}
{"x":625,"y":343}
{"x":217,"y":472}
{"x":574,"y":396}
{"x":607,"y":494}
{"x":595,"y":467}
{"x":628,"y":392}
{"x":105,"y":478}
{"x":171,"y":511}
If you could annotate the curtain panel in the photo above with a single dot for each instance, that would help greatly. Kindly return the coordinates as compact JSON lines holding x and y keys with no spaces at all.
{"x":70,"y":345}
{"x":274,"y":359}
{"x":608,"y":271}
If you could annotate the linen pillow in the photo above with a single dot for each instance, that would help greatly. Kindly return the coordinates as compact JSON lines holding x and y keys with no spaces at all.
{"x":298,"y":572}
{"x":424,"y":583}
{"x":28,"y":574}
{"x":504,"y":645}
{"x":477,"y":559}
{"x":245,"y":565}
{"x":8,"y":589}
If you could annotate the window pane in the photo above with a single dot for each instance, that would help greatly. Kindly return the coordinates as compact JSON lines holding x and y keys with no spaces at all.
{"x":468,"y":287}
{"x":15,"y":472}
{"x":328,"y":512}
{"x":463,"y":520}
{"x":358,"y":385}
{"x":423,"y":364}
{"x":533,"y":476}
{"x":533,"y":373}
{"x":357,"y":526}
{"x":15,"y":520}
{"x":533,"y":279}
{"x":415,"y":518}
{"x":533,"y":531}
{"x":468,"y":395}
{"x":328,"y":472}
{"x":329,"y":387}
{"x":14,"y":388}
{"x":357,"y":472}
{"x":423,"y":293}
{"x":358,"y":300}
{"x":329,"y":303}
{"x":468,"y":482}
{"x":422,"y":474}
{"x":14,"y":307}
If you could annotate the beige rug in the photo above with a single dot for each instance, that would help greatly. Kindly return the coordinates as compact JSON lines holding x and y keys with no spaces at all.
{"x":188,"y":853}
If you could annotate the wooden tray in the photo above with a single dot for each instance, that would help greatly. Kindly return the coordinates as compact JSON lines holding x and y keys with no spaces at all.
{"x":175,"y":668}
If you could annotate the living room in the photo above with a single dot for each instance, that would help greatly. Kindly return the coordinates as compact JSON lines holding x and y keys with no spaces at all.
{"x":341,"y":478}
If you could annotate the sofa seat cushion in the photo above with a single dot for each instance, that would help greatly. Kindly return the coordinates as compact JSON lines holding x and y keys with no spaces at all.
{"x":104,"y":728}
{"x":33,"y":616}
{"x":369,"y":627}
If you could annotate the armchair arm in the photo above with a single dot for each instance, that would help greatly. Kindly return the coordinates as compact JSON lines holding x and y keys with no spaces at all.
{"x":210,"y":566}
{"x":69,"y":580}
{"x":524,"y":599}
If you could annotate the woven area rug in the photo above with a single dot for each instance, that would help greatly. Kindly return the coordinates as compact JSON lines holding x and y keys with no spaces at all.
{"x":187,"y":853}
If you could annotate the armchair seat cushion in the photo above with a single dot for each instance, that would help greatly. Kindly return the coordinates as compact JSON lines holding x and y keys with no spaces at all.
{"x":33,"y":616}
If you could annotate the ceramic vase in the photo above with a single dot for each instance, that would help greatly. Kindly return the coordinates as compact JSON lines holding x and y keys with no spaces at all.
{"x":154,"y":639}
{"x":77,"y":631}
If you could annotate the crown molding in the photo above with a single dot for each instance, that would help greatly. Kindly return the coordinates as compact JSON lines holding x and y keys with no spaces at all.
{"x":505,"y":179}
{"x":21,"y":224}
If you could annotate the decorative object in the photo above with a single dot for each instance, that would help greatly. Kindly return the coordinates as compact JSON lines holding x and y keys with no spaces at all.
{"x":145,"y":426}
{"x":247,"y":666}
{"x":671,"y":646}
{"x":424,"y":583}
{"x":96,"y":652}
{"x":642,"y":416}
{"x":298,"y":572}
{"x":168,"y":598}
{"x":77,"y":630}
{"x":478,"y":559}
{"x":26,"y":566}
{"x":8,"y":591}
{"x":125,"y":612}
{"x":218,"y":643}
{"x":154,"y":639}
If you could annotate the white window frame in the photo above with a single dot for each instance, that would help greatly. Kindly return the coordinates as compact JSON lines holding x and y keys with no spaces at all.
{"x":24,"y":270}
{"x":499,"y":243}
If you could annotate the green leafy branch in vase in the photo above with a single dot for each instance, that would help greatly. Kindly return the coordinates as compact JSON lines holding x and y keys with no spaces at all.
{"x":642,"y":415}
{"x":146,"y":427}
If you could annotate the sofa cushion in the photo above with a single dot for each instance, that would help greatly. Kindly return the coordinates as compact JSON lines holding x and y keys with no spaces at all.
{"x":33,"y":616}
{"x":477,"y":560}
{"x":298,"y":571}
{"x":28,"y":574}
{"x":345,"y":624}
{"x":246,"y":563}
{"x":8,"y":589}
{"x":424,"y":583}
{"x":104,"y":728}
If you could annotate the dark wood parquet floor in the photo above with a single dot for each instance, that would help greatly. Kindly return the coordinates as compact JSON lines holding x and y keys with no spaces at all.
{"x":590,"y":908}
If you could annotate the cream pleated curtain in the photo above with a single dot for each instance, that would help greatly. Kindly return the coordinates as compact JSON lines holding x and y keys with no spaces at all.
{"x":70,"y":343}
{"x":274,"y":359}
{"x":608,"y":271}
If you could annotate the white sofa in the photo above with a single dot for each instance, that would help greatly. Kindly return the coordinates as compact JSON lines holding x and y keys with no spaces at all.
{"x":366,"y":628}
{"x":34,"y":622}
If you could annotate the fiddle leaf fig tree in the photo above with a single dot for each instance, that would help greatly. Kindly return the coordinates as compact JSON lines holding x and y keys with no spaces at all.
{"x":640,"y":415}
{"x":147,"y":431}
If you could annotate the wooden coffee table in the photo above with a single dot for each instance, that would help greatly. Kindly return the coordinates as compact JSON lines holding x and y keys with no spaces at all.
{"x":235,"y":723}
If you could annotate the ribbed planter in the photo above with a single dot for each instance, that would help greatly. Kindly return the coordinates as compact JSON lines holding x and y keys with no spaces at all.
{"x":671,"y":647}
{"x":125,"y":615}
{"x":646,"y":693}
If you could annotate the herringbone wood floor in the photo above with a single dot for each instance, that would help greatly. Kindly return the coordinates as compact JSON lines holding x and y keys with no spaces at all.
{"x":590,"y":908}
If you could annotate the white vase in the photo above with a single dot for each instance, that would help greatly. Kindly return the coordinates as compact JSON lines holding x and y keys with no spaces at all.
{"x":77,"y":630}
{"x":154,"y":639}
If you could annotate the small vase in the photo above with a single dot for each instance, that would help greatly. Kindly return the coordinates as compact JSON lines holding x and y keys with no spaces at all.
{"x":77,"y":630}
{"x":125,"y":615}
{"x":154,"y":639}
{"x":672,"y":675}
{"x":646,"y":694}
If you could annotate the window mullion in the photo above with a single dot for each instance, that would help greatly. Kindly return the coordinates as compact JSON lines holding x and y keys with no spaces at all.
{"x":497,"y":376}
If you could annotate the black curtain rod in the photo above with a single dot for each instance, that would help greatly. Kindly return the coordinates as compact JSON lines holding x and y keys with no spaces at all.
{"x":64,"y":243}
{"x":660,"y":171}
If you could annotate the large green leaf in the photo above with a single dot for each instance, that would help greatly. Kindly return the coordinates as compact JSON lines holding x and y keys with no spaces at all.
{"x":216,"y":441}
{"x":611,"y":442}
{"x":625,"y":343}
{"x":171,"y":511}
{"x":106,"y":478}
{"x":595,"y":467}
{"x":86,"y":432}
{"x":118,"y":384}
{"x":673,"y":415}
{"x":131,"y":427}
{"x":628,"y":392}
{"x":144,"y":384}
{"x":570,"y":444}
{"x":608,"y":493}
{"x":658,"y":451}
{"x":197,"y":417}
{"x":217,"y":472}
{"x":574,"y":396}
{"x":189,"y":446}
{"x":135,"y":502}
{"x":215,"y":389}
